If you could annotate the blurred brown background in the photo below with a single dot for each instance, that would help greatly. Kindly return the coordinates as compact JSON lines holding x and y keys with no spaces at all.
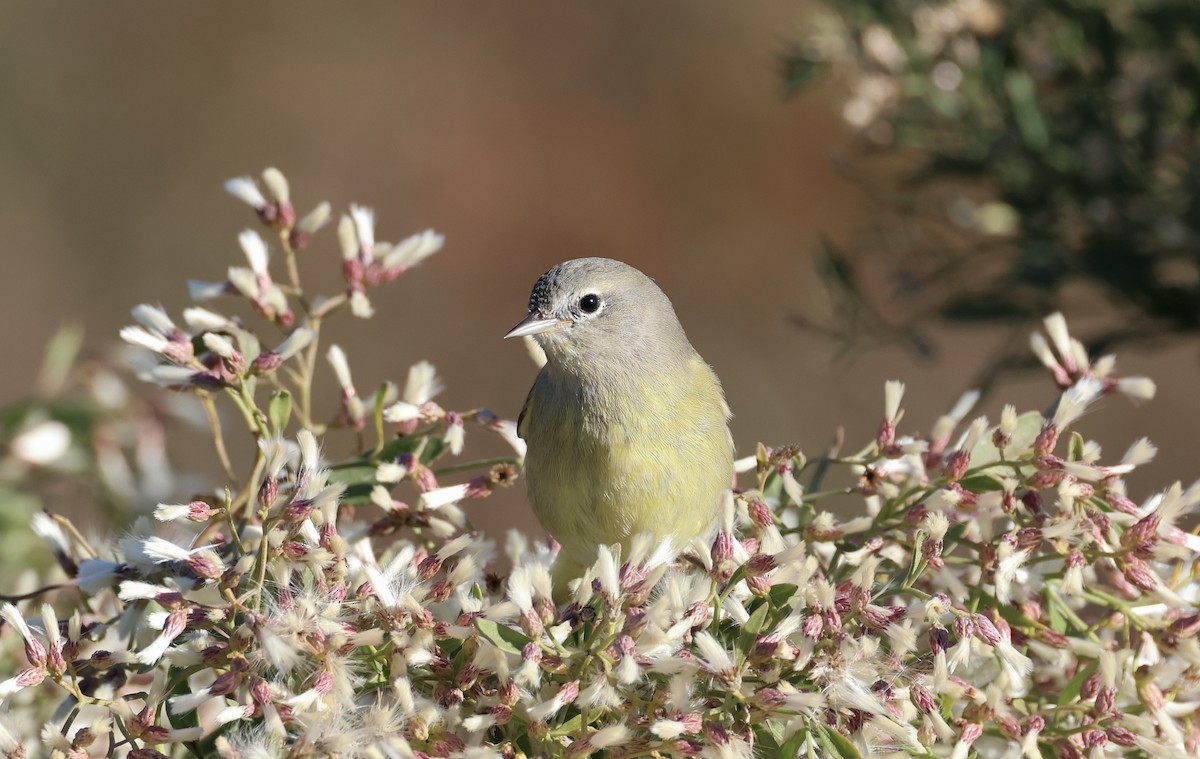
{"x":655,"y":133}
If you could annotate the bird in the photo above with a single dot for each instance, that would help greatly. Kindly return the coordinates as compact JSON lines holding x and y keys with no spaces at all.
{"x":626,"y":426}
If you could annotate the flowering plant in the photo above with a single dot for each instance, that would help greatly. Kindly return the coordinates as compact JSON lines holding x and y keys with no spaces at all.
{"x":998,"y":592}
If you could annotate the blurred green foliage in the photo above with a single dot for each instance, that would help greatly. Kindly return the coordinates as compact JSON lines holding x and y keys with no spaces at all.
{"x":1052,"y":141}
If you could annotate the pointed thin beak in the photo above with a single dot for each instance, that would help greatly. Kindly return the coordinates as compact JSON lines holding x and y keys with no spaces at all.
{"x":534,"y":324}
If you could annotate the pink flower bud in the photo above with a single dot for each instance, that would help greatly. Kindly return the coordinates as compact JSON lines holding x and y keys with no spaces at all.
{"x":35,"y":652}
{"x":722,"y":548}
{"x":260,"y":692}
{"x":531,"y":623}
{"x":1046,"y":440}
{"x":964,"y":627}
{"x":970,"y":733}
{"x":956,"y":465}
{"x":986,"y":630}
{"x":760,"y":564}
{"x":1028,"y":538}
{"x":423,"y":477}
{"x":30,"y":677}
{"x":716,"y":734}
{"x":812,"y":626}
{"x":429,"y":567}
{"x":268,"y":491}
{"x":205,"y":566}
{"x":1120,"y":502}
{"x":323,"y":683}
{"x":932,"y":551}
{"x":1094,"y":739}
{"x":502,"y":713}
{"x":1066,"y":750}
{"x":922,"y":698}
{"x":759,"y":586}
{"x":1010,"y":726}
{"x":1122,"y":736}
{"x":770,"y":698}
{"x":1142,"y":531}
{"x":568,"y":692}
{"x":1186,"y":627}
{"x":265,"y":363}
{"x":760,"y":513}
{"x":939,"y":639}
{"x":1090,"y":687}
{"x":1138,"y":573}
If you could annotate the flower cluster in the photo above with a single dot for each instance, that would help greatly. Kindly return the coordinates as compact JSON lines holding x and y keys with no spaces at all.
{"x":992,"y":590}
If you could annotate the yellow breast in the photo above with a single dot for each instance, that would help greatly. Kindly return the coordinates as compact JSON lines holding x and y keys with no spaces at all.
{"x":645,"y":454}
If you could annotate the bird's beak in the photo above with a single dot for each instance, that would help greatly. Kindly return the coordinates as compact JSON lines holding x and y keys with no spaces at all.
{"x":534,"y":324}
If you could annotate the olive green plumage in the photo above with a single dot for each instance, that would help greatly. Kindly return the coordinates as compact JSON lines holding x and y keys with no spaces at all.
{"x":626,"y":426}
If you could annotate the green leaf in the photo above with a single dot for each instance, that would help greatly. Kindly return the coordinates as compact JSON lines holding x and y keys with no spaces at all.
{"x":359,"y":479}
{"x":781,"y":594}
{"x":791,"y":747}
{"x":570,"y":726}
{"x":1023,"y":97}
{"x":1058,"y":622}
{"x":1075,"y":448}
{"x":503,"y":637}
{"x":981,"y":483}
{"x":799,"y":70}
{"x":1071,"y":691}
{"x":187,"y":719}
{"x":434,"y":447}
{"x":836,"y":744}
{"x":394,"y":448}
{"x":279,"y":411}
{"x":60,"y":357}
{"x":758,"y":617}
{"x":917,"y":564}
{"x":750,"y":630}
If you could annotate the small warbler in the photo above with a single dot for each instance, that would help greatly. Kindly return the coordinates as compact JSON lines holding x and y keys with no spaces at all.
{"x":627,"y":427}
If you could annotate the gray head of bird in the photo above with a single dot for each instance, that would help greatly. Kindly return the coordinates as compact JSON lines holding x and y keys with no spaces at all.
{"x":592,"y":313}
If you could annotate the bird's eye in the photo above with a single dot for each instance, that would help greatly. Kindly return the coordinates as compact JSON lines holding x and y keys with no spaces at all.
{"x":590,"y":303}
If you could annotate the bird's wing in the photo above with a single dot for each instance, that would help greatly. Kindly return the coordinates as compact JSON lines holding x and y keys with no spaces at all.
{"x":523,"y":418}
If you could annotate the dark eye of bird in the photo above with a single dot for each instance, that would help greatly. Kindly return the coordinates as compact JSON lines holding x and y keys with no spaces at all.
{"x":589,"y":303}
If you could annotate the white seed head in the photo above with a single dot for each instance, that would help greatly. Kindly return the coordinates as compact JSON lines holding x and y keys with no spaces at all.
{"x":893,"y":393}
{"x":219,"y":344}
{"x":295,"y":342}
{"x":198,"y":290}
{"x":277,"y":184}
{"x":422,"y":383}
{"x":413,"y":250}
{"x":245,"y":190}
{"x":314,"y":219}
{"x":364,"y":229}
{"x":341,"y":367}
{"x":203,"y":320}
{"x":42,"y":444}
{"x":255,"y":249}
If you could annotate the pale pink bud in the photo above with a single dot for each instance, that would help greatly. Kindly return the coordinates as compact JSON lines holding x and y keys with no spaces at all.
{"x":760,"y":513}
{"x":922,"y":698}
{"x":970,"y":733}
{"x":986,"y":630}
{"x":568,"y":692}
{"x":1094,"y":739}
{"x":1046,"y":440}
{"x":1122,"y":736}
{"x":1141,"y":531}
{"x":964,"y":627}
{"x":956,"y":465}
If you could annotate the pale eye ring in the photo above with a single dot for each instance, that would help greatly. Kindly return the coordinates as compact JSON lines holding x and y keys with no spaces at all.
{"x":590,"y":303}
